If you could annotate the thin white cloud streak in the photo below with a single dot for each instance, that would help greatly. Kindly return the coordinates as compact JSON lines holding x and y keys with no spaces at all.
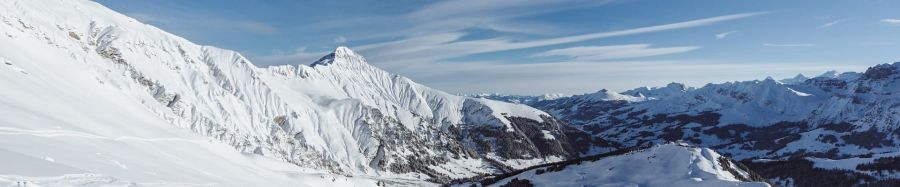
{"x":724,"y":34}
{"x":601,"y":53}
{"x":789,"y":45}
{"x":496,"y":15}
{"x":442,"y":46}
{"x":498,"y":9}
{"x":890,"y":21}
{"x":672,"y":26}
{"x":832,"y":23}
{"x":455,"y":16}
{"x":520,"y":27}
{"x":476,"y":8}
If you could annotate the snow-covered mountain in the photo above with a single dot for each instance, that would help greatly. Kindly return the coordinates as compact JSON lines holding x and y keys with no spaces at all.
{"x":832,"y":116}
{"x":409,"y":127}
{"x":89,"y":90}
{"x":665,"y":165}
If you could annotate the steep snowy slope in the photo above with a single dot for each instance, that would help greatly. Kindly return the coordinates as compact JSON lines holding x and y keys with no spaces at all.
{"x":666,"y":165}
{"x":80,"y":69}
{"x":72,"y":117}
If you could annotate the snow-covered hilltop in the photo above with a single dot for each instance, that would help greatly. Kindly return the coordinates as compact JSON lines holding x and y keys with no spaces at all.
{"x":665,"y":165}
{"x":93,"y":91}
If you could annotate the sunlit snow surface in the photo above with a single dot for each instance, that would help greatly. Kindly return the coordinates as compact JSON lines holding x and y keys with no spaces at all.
{"x":64,"y":123}
{"x":668,"y":165}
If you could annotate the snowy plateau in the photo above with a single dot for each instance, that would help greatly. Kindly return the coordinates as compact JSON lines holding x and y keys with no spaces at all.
{"x":91,"y":97}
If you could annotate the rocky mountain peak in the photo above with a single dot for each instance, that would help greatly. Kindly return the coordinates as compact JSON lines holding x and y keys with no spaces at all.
{"x":676,"y":86}
{"x":341,"y":55}
{"x":881,"y":71}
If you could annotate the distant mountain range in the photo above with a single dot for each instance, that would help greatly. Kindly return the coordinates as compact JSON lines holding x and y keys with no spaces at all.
{"x":835,"y":121}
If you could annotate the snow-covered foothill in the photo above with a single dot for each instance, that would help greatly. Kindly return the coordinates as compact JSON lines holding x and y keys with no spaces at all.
{"x":666,"y":165}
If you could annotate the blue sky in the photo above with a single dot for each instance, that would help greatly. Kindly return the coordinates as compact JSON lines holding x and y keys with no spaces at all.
{"x":535,"y":47}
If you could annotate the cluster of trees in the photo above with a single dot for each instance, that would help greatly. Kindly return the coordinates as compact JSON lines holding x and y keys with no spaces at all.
{"x":803,"y":174}
{"x":891,"y":164}
{"x":516,"y":182}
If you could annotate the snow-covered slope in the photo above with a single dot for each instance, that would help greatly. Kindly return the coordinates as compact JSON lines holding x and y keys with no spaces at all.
{"x":100,"y":92}
{"x":666,"y":165}
{"x":71,"y":116}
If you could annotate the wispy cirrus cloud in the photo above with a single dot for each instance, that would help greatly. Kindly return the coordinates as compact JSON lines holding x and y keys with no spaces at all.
{"x":611,"y":52}
{"x":456,"y":16}
{"x":890,"y":21}
{"x":789,"y":45}
{"x":832,"y":23}
{"x":724,"y":34}
{"x":497,"y":15}
{"x":448,"y":45}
